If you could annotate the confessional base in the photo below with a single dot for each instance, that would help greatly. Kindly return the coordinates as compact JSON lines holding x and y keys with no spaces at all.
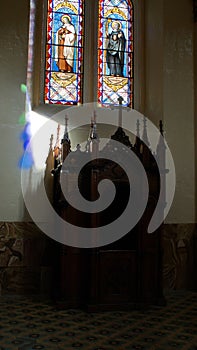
{"x":107,"y":280}
{"x":126,"y":306}
{"x":69,"y":304}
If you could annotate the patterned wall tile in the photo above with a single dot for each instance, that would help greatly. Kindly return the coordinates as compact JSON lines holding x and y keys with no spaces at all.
{"x":23,"y":250}
{"x":178,"y":258}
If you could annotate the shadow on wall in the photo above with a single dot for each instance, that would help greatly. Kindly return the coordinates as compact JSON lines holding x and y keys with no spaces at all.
{"x":26,"y":253}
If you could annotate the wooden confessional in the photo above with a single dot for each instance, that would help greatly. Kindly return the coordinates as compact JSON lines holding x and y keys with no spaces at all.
{"x":123,"y":274}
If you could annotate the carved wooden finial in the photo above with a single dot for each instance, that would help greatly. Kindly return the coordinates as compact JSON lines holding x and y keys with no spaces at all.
{"x":161,"y":127}
{"x":51,"y":142}
{"x":120,"y":100}
{"x":93,"y":129}
{"x":137,"y":138}
{"x":56,"y":149}
{"x":161,"y":144}
{"x":93,"y":139}
{"x":92,"y":124}
{"x":145,"y":135}
{"x":66,"y":136}
{"x":66,"y":121}
{"x":58,"y":136}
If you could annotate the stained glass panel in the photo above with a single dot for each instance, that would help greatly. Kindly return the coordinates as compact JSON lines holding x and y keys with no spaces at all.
{"x":64,"y":52}
{"x":115,"y":52}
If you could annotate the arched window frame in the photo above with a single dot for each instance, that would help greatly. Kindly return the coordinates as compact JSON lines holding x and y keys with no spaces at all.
{"x":90,"y":57}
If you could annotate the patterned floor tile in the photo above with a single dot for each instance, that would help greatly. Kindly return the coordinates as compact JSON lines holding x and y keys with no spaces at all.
{"x":27,"y":324}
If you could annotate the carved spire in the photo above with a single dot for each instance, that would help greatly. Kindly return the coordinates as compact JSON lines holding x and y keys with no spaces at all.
{"x":137,"y":143}
{"x":161,"y":127}
{"x":51,"y":142}
{"x":57,"y":143}
{"x":66,"y":135}
{"x":161,"y":160}
{"x":93,"y":139}
{"x":94,"y":135}
{"x":57,"y":149}
{"x":120,"y":100}
{"x":160,"y":153}
{"x":145,"y":149}
{"x":50,"y":157}
{"x":145,"y":135}
{"x":65,"y":141}
{"x":119,"y":134}
{"x":50,"y":163}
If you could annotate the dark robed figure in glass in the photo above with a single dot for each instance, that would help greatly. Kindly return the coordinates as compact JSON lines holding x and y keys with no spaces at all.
{"x":115,"y":50}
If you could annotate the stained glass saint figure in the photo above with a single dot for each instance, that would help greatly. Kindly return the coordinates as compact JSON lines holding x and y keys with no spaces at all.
{"x":64,"y":52}
{"x":66,"y":37}
{"x":115,"y":50}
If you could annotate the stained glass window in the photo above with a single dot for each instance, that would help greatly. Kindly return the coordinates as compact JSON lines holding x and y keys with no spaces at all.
{"x":64,"y":52}
{"x":115,"y":52}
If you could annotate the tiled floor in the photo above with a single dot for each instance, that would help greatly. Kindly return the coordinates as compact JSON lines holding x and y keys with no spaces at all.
{"x":28,"y":323}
